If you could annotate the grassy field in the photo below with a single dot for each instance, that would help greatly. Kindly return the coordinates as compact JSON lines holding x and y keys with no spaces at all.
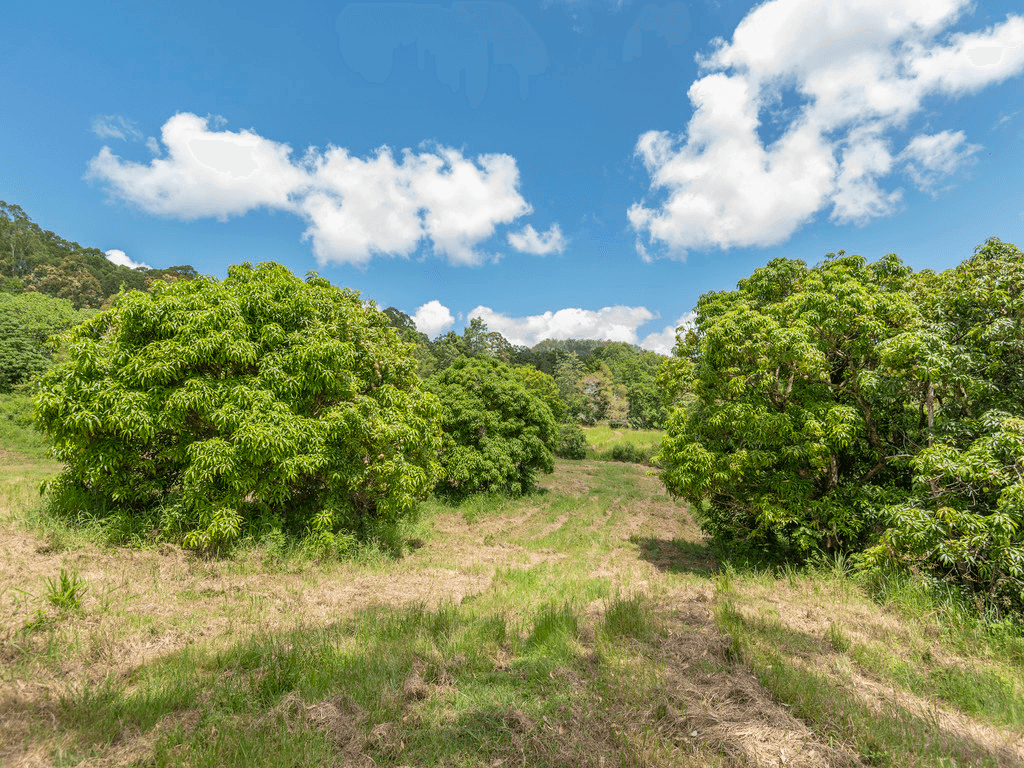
{"x":583,"y":625}
{"x":635,"y":446}
{"x":602,"y":438}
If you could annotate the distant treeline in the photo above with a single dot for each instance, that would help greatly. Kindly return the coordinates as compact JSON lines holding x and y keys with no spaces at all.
{"x":35,"y":259}
{"x":596,"y":380}
{"x":48,"y":284}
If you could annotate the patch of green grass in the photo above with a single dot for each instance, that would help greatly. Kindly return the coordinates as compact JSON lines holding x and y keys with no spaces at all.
{"x":892,"y":736}
{"x":636,"y":617}
{"x":988,"y":693}
{"x":453,"y":686}
{"x":950,"y":615}
{"x":604,"y":437}
{"x":66,"y":591}
{"x":17,"y":433}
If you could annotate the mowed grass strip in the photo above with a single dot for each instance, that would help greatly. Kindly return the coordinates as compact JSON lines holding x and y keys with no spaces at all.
{"x":409,"y":686}
{"x":561,"y":628}
{"x":888,"y":689}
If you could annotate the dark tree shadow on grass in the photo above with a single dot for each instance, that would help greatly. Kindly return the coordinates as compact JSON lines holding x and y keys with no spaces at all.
{"x":676,"y":555}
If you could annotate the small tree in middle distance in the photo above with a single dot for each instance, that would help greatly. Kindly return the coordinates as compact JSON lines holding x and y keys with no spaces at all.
{"x":497,"y":434}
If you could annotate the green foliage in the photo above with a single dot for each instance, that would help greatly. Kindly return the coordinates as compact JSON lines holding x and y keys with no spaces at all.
{"x":206,"y":407}
{"x":66,"y":591}
{"x":568,"y":376}
{"x":17,"y":432}
{"x":855,"y":405}
{"x":498,"y":435}
{"x":787,"y":442}
{"x":630,"y":453}
{"x":34,"y":259}
{"x":26,"y":321}
{"x":965,"y":519}
{"x":571,"y":442}
{"x":544,"y":387}
{"x":646,"y":406}
{"x":406,"y":328}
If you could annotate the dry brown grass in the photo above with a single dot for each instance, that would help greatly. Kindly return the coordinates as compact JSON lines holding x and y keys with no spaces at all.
{"x":722,"y":704}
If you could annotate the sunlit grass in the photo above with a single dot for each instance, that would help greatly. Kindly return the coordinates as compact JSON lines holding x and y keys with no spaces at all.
{"x":529,"y":631}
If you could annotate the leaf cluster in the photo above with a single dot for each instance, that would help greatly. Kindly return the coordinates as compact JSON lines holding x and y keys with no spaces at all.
{"x":852,"y":406}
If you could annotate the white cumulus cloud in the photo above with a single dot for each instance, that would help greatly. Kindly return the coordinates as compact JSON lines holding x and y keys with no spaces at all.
{"x":529,"y":240}
{"x":205,"y":173}
{"x":617,"y":323}
{"x":432,"y":318}
{"x":858,"y":72}
{"x":663,"y":340}
{"x":355,"y":208}
{"x":121,"y":259}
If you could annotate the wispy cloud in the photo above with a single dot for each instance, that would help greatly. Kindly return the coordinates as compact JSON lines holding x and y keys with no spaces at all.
{"x":529,"y":240}
{"x":931,"y":159}
{"x":116,"y":127}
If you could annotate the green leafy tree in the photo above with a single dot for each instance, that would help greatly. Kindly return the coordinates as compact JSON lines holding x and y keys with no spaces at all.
{"x":26,"y":322}
{"x":646,"y":406}
{"x":447,"y":349}
{"x":421,"y":348}
{"x":596,"y":388}
{"x":544,"y":387}
{"x":964,"y":519}
{"x":498,"y":435}
{"x":571,"y":442}
{"x":963,"y":382}
{"x":856,"y":405}
{"x":205,"y":407}
{"x":36,"y":259}
{"x":569,"y":378}
{"x":789,"y":443}
{"x":476,"y":338}
{"x":69,"y":281}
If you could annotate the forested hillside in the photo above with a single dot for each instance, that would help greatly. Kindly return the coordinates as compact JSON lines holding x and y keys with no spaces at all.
{"x":34,"y":259}
{"x":596,"y":380}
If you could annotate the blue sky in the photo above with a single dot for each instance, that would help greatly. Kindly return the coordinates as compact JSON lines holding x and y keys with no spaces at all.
{"x":558,"y":168}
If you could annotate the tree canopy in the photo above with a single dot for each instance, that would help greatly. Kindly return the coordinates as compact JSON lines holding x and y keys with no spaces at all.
{"x":26,"y":322}
{"x":853,"y":405}
{"x":204,"y":407}
{"x":498,"y":434}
